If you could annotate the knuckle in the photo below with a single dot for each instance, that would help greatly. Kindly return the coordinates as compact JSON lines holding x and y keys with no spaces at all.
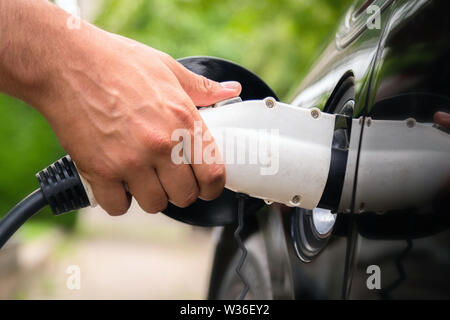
{"x":189,"y":199}
{"x":104,"y":172}
{"x":130,"y":160}
{"x":158,"y":143}
{"x":204,"y":85}
{"x":104,"y":169}
{"x":162,"y":146}
{"x":215,"y":175}
{"x":166,"y":58}
{"x":186,"y":115}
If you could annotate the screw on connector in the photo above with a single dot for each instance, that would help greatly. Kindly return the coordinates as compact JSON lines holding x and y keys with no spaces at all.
{"x":270,"y":102}
{"x":410,"y":123}
{"x":296,"y":200}
{"x":369,"y":122}
{"x":315,"y":113}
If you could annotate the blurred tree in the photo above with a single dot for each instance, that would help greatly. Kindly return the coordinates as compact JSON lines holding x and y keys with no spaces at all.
{"x":277,"y":39}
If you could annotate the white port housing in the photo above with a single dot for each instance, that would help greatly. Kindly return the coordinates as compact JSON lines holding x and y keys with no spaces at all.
{"x":273,"y":151}
{"x":402,"y":164}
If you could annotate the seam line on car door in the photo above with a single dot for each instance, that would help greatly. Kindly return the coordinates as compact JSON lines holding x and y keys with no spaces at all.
{"x":352,"y":235}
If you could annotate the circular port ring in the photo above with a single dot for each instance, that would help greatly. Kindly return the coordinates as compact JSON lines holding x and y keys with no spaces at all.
{"x":311,"y":231}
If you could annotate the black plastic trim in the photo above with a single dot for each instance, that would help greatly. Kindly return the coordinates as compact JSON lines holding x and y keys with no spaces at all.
{"x":339,"y":155}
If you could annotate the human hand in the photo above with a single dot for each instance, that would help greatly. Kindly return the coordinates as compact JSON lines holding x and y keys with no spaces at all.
{"x":113,"y":103}
{"x":442,"y":119}
{"x":115,"y":117}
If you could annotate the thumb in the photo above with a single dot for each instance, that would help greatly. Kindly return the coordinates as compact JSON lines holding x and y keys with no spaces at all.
{"x":205,"y":92}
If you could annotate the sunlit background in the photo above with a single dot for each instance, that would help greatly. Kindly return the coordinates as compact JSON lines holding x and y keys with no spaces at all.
{"x":140,"y":256}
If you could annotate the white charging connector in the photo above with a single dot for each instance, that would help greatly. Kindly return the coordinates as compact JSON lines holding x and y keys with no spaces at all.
{"x":282,"y":153}
{"x":273,"y":151}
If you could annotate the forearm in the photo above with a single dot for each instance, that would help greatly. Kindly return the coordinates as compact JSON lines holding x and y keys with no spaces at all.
{"x":34,"y":42}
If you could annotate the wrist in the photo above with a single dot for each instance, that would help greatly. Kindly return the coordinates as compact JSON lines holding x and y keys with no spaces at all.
{"x":36,"y":43}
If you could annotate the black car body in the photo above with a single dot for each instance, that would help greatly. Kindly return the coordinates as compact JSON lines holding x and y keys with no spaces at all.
{"x":393,"y":65}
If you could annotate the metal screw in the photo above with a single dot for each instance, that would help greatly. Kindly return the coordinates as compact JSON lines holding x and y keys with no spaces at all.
{"x":315,"y":113}
{"x":410,"y":123}
{"x":296,"y":199}
{"x":270,"y":102}
{"x":369,"y":122}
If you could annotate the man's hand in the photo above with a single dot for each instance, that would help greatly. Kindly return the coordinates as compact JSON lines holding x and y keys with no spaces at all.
{"x":113,"y":104}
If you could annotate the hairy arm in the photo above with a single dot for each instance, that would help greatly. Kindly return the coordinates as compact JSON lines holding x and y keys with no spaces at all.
{"x":31,"y":38}
{"x":113,"y":104}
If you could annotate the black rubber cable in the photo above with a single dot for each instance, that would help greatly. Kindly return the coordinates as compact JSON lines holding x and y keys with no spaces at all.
{"x":60,"y":187}
{"x":18,"y":215}
{"x":241,"y":245}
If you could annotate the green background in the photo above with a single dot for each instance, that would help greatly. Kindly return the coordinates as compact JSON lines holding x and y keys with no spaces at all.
{"x":278,"y":40}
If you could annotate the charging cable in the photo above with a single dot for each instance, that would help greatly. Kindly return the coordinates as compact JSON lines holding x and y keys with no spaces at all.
{"x":61,"y":188}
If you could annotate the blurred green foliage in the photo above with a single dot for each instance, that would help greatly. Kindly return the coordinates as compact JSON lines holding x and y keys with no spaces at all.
{"x":277,"y":39}
{"x":27,"y":145}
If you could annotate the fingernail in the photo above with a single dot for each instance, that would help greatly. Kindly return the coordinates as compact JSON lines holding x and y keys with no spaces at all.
{"x":233,"y":85}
